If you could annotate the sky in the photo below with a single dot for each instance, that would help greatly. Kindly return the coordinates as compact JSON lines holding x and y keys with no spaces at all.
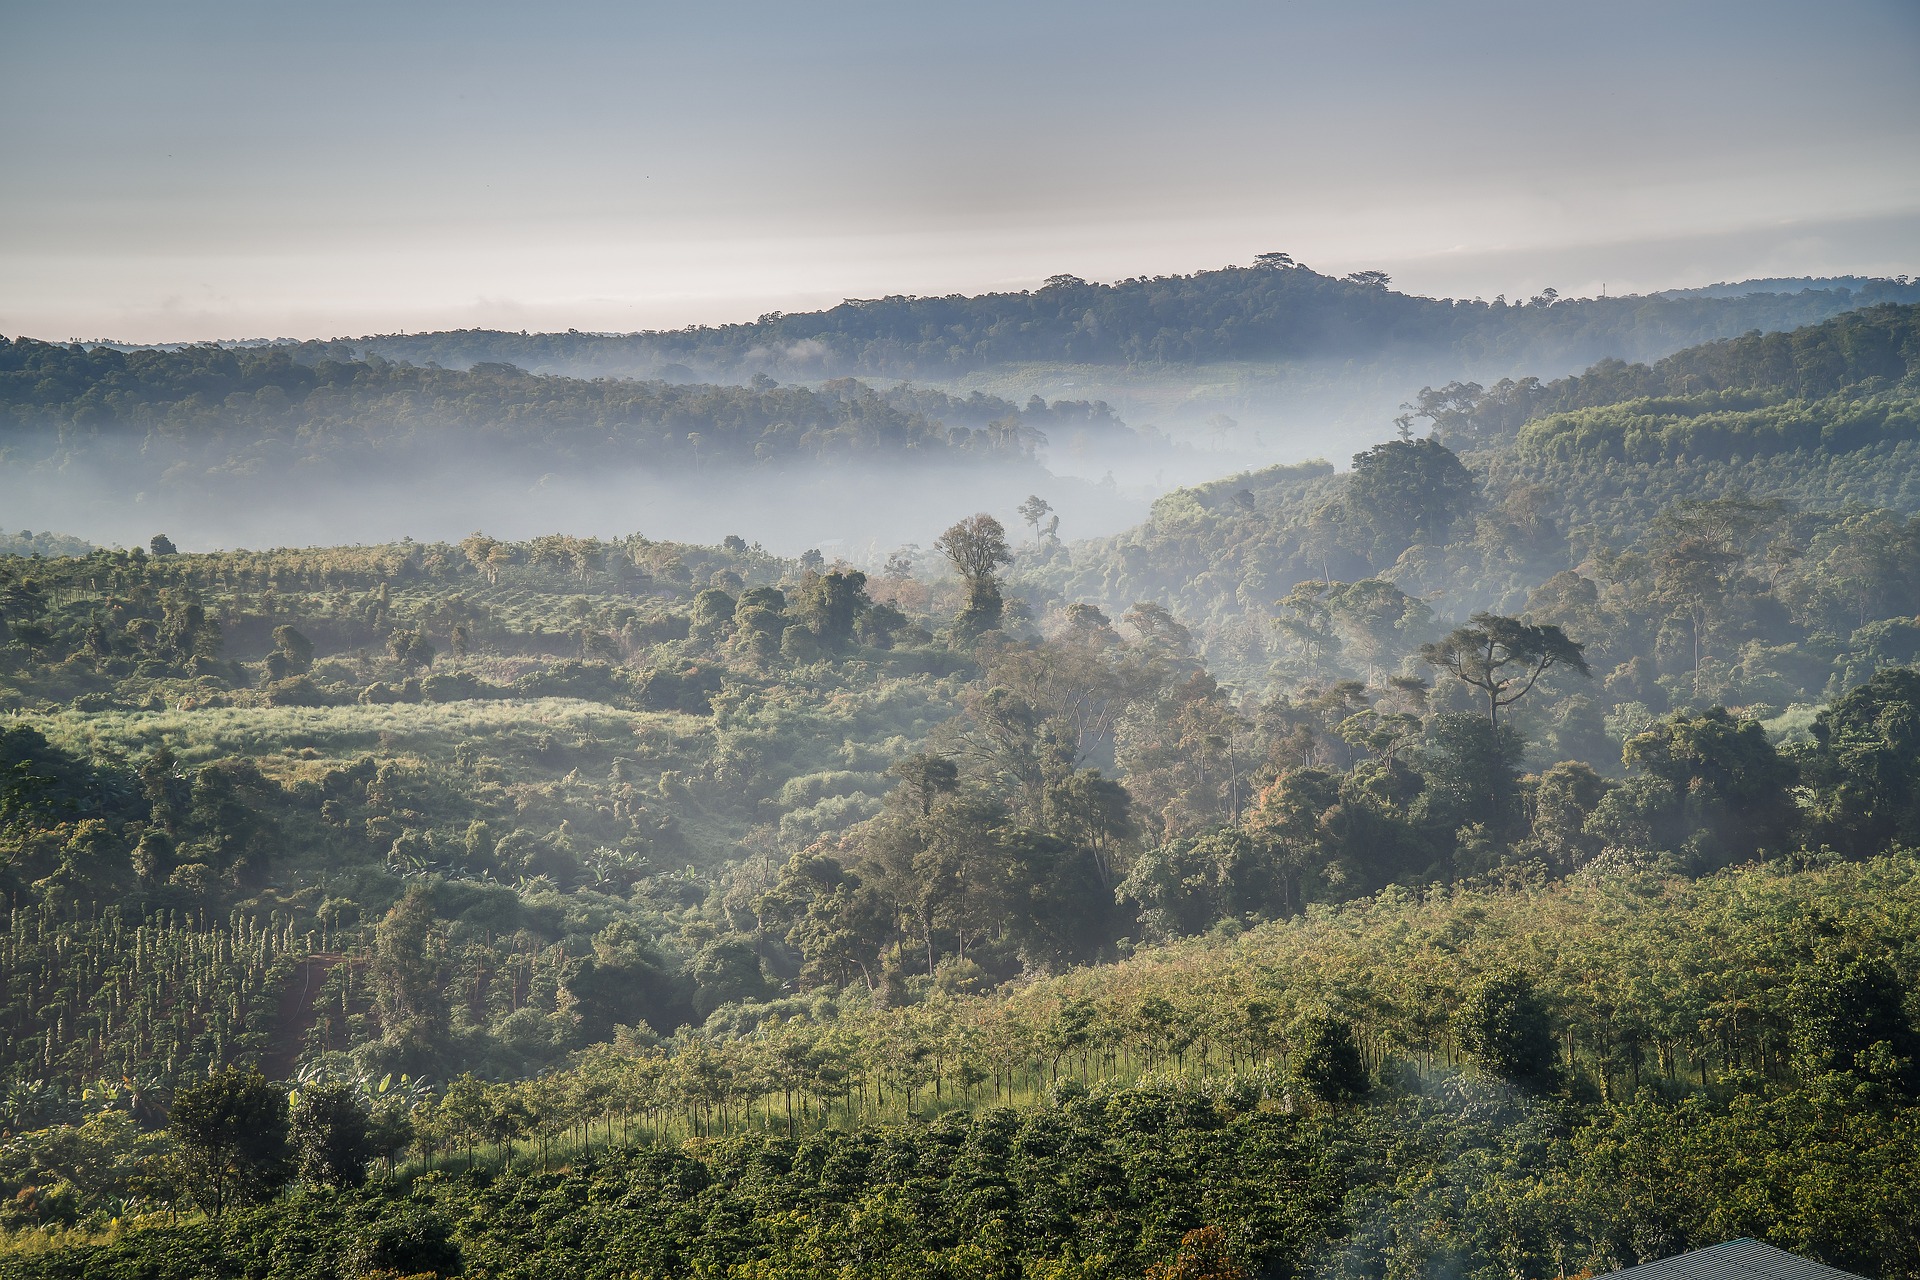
{"x":197,"y":170}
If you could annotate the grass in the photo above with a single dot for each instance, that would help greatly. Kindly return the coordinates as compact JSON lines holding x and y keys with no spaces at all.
{"x":431,"y":730}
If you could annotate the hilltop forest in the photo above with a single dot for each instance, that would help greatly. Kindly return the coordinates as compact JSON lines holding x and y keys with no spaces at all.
{"x":1274,"y":310}
{"x":1494,"y":858}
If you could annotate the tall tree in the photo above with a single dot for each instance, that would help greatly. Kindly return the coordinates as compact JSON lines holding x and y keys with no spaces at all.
{"x":1504,"y":657}
{"x":1033,"y":511}
{"x":1327,"y":1060}
{"x":829,"y":604}
{"x":977,"y":549}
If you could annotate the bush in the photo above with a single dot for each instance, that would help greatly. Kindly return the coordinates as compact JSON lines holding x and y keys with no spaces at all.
{"x":297,"y":691}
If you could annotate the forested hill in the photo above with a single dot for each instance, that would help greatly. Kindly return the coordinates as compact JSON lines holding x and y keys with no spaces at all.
{"x":1809,"y":441}
{"x":1271,"y":312}
{"x":241,"y":411}
{"x":1859,"y":353}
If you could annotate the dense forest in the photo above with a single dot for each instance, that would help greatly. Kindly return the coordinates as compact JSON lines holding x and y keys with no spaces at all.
{"x":1493,"y":859}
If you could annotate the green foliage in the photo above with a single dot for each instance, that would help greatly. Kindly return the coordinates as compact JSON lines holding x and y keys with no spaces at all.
{"x":1504,"y":1030}
{"x":1406,"y":491}
{"x":1327,"y":1062}
{"x":977,"y":549}
{"x":331,"y":1136}
{"x":231,"y":1132}
{"x":1849,"y":1016}
{"x":630,"y":844}
{"x":1864,"y":760}
{"x":1504,"y":658}
{"x":1726,"y":794}
{"x":817,"y":1126}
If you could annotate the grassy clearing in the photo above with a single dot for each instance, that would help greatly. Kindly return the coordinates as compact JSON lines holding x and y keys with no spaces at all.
{"x":432,"y":730}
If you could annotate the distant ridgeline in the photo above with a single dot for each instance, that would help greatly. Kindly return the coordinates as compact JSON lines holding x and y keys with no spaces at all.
{"x":239,"y":411}
{"x":1273,"y":311}
{"x":1529,"y":479}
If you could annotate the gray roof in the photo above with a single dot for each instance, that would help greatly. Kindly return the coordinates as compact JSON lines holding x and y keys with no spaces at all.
{"x":1735,"y":1260}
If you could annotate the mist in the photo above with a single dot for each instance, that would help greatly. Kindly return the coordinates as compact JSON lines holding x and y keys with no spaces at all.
{"x":858,"y":512}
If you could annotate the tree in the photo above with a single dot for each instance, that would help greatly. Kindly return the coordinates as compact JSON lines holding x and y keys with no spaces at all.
{"x":1847,"y":1015}
{"x":1190,"y":883}
{"x":830,"y":604}
{"x":1406,"y":491}
{"x":1093,"y":812}
{"x":1159,"y":630}
{"x":1326,"y":1060}
{"x":1727,"y":792}
{"x":713,"y":611}
{"x":1033,"y":511}
{"x":407,"y":975}
{"x":1377,"y":618}
{"x":1863,"y":766}
{"x":1291,"y":821}
{"x":836,"y":921}
{"x":1203,"y":1255}
{"x":479,"y":550}
{"x":231,"y":1132}
{"x":1564,"y":798}
{"x":957,"y":871}
{"x":725,"y":970}
{"x":411,"y":649}
{"x":1504,"y":657}
{"x":161,"y":545}
{"x":292,"y":654}
{"x":925,"y":778}
{"x":759,"y":622}
{"x":1698,"y":551}
{"x":977,"y":548}
{"x":331,"y":1135}
{"x":1471,"y":770}
{"x":1505,"y":1031}
{"x":153,"y":857}
{"x":1309,"y":620}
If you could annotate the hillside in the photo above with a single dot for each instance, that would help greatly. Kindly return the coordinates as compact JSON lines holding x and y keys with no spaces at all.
{"x":1324,"y":1098}
{"x":1584,"y":484}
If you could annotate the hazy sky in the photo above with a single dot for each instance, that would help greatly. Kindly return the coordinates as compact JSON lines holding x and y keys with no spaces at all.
{"x":183,"y":170}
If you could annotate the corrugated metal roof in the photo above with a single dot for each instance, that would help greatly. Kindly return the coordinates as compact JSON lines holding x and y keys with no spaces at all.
{"x":1735,"y":1260}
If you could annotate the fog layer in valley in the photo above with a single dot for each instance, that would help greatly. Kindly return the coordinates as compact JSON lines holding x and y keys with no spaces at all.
{"x":858,"y":512}
{"x":858,"y":430}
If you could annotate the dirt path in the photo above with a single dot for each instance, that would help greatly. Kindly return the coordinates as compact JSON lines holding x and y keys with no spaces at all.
{"x":296,"y":1014}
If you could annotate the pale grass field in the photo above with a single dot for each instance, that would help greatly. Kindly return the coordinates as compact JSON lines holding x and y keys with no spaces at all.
{"x":429,"y":729}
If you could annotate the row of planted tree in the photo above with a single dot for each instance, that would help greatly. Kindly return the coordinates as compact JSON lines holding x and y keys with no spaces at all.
{"x":1599,"y":989}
